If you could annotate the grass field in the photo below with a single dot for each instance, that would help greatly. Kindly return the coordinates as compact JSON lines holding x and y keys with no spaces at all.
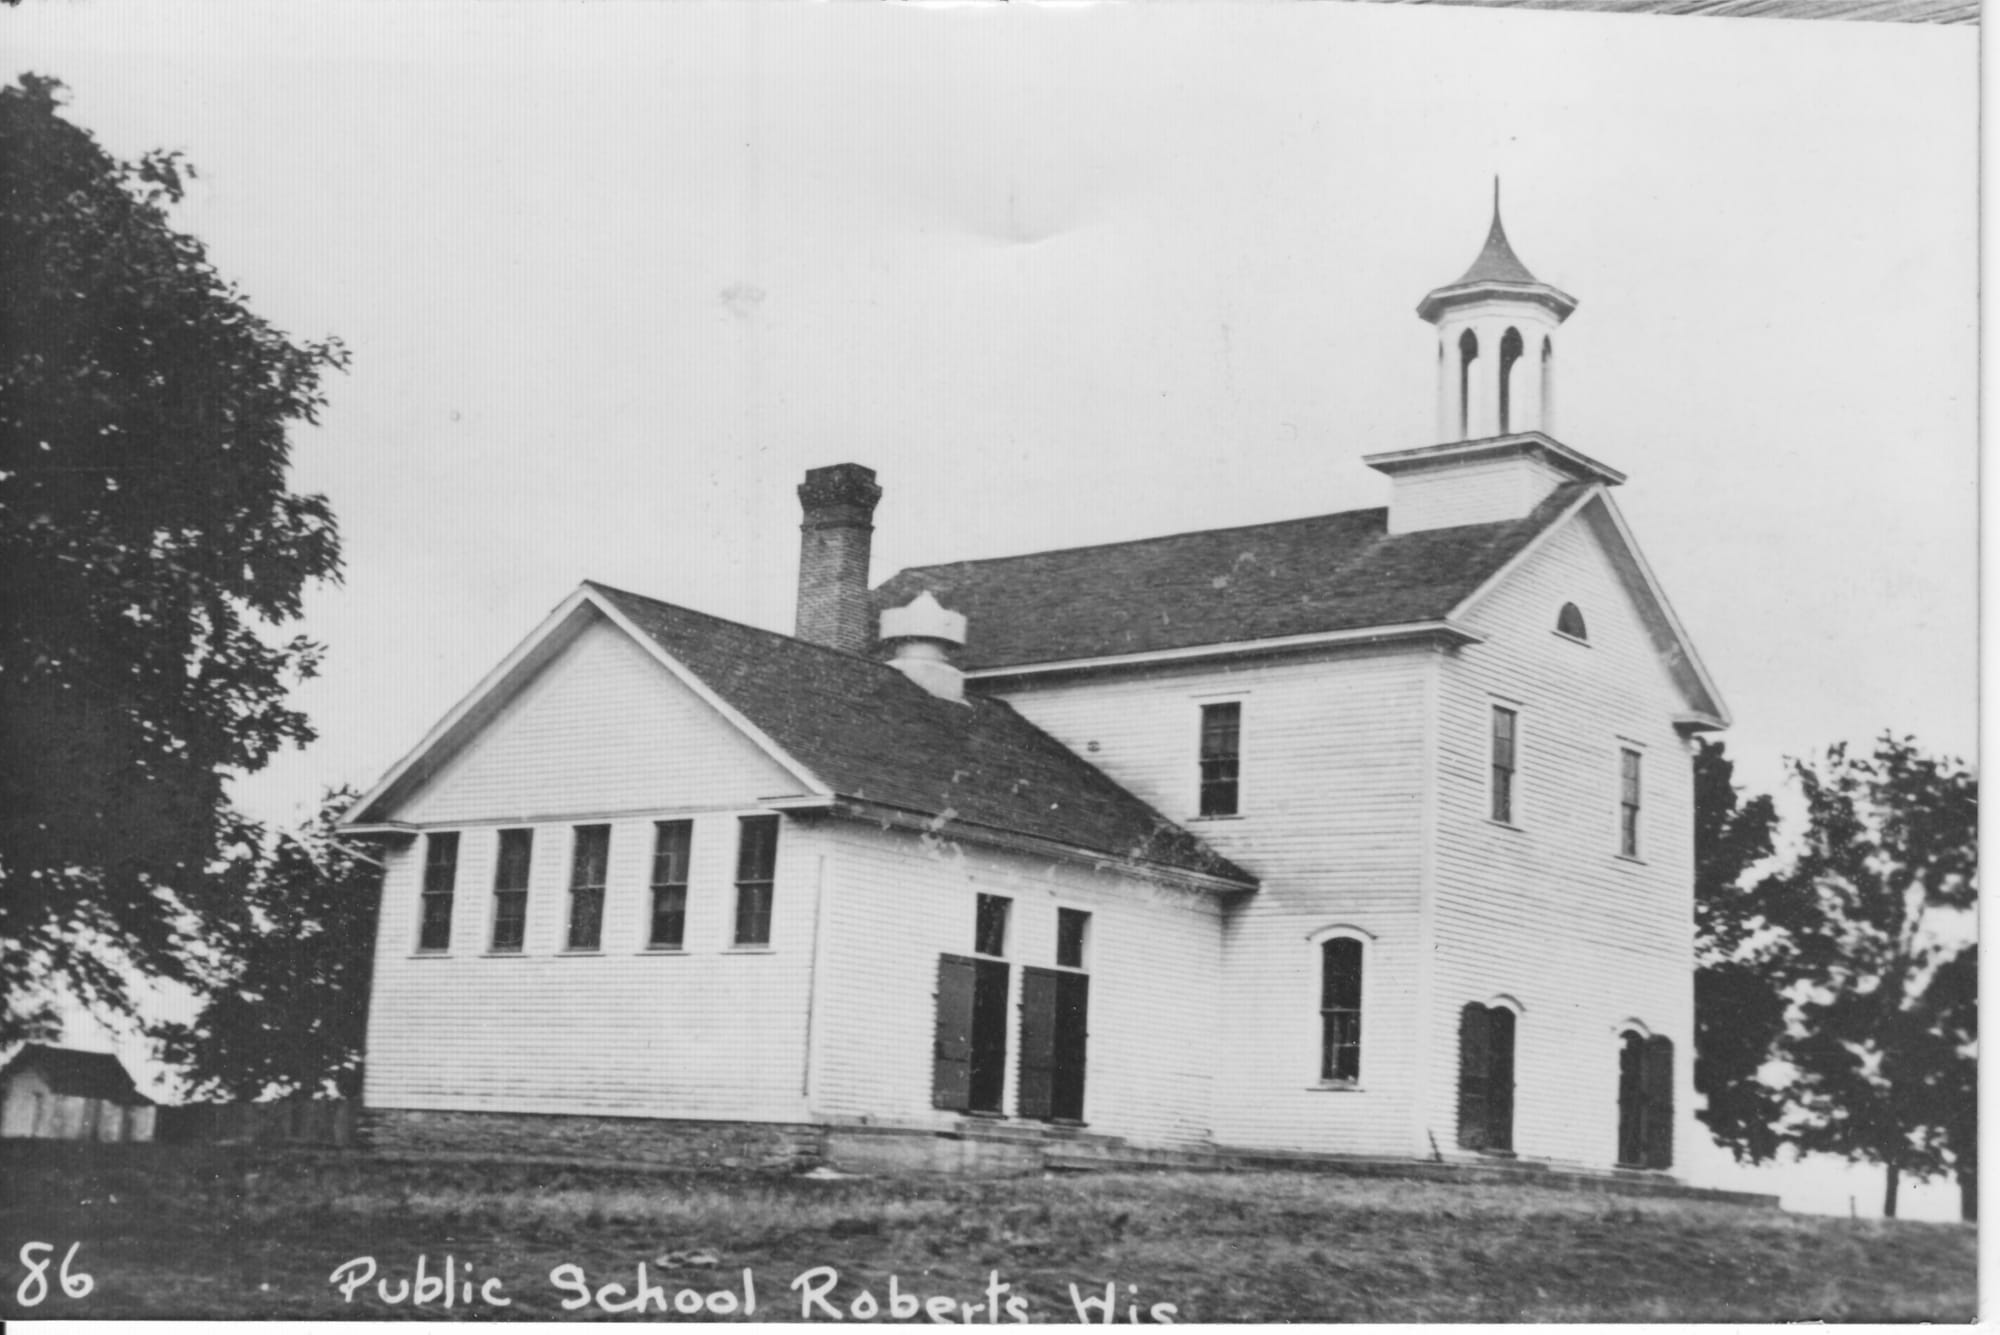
{"x":185,"y":1232}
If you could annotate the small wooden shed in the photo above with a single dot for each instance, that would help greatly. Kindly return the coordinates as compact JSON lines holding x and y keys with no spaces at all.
{"x":52,"y":1093}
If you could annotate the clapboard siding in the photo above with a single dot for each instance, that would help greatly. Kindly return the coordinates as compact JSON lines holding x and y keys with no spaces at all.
{"x":709,"y":1032}
{"x":604,"y":727}
{"x":1470,"y":493}
{"x":1332,"y":797}
{"x":1547,"y":913}
{"x":898,"y":900}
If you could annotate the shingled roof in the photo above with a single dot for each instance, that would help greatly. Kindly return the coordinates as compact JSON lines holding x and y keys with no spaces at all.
{"x":1303,"y":576}
{"x":75,"y":1074}
{"x":874,"y":736}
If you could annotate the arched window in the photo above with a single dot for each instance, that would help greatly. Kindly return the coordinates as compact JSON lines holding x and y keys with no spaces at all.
{"x":1510,"y":352}
{"x":1645,"y":1100}
{"x":1468,"y":353}
{"x":1486,"y":1078}
{"x":1570,"y":622}
{"x":1340,"y":1010}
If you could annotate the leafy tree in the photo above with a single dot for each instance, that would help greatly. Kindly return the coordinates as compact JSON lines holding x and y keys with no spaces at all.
{"x":1740,"y":1004}
{"x":286,"y":1006}
{"x":149,"y":553}
{"x":1864,"y":918}
{"x":1951,"y":1027}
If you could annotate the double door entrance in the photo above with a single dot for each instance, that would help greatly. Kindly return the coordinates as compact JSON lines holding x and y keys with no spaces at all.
{"x":969,"y":1068}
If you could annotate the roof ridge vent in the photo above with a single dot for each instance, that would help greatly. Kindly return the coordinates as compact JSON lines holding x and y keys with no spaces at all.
{"x":923,"y":633}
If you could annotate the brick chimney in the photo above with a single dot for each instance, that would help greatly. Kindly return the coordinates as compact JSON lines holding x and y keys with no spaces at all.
{"x":839,"y":503}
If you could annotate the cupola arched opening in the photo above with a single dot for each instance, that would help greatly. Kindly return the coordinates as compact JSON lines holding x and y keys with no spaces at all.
{"x":1510,"y":352}
{"x":1548,"y":396}
{"x":1569,"y":621}
{"x":1468,"y":353}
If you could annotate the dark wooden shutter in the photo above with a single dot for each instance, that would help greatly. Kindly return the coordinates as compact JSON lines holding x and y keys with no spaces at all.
{"x":1072,"y":1042}
{"x":1038,"y":1043}
{"x":1632,"y":1102}
{"x":1473,"y":1046}
{"x":1500,"y":1079}
{"x":951,"y":1064}
{"x":1659,"y":1099}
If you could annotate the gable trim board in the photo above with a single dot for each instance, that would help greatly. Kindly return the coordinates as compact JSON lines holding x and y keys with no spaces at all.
{"x":493,"y":692}
{"x":1670,"y":640}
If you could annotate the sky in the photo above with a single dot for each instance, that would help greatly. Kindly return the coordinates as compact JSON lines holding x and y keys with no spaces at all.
{"x":614,"y":275}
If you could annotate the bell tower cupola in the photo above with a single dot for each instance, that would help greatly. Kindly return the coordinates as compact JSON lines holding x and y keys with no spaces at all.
{"x":1496,"y":343}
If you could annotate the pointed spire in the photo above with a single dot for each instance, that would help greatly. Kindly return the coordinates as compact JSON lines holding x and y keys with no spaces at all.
{"x":1497,"y":264}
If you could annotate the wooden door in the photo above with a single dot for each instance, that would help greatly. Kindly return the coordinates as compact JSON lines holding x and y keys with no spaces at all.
{"x":1473,"y":1060}
{"x":988,"y":1077}
{"x":1500,"y":1080}
{"x":1486,"y":1078}
{"x":1055,"y":1032}
{"x":1657,"y":1083}
{"x":1072,"y":1039}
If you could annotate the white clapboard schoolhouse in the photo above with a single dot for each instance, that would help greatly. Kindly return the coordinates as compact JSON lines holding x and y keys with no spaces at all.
{"x":1367,"y":834}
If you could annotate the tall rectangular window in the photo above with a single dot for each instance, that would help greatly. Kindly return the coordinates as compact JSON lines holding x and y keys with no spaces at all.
{"x":1505,"y":730}
{"x":510,"y":889}
{"x":671,"y":842}
{"x":1628,"y":803}
{"x":756,"y":869}
{"x":440,"y":877}
{"x":1340,"y":1010}
{"x":588,"y":861}
{"x":989,"y":930}
{"x":1072,"y":930}
{"x":1221,"y":741}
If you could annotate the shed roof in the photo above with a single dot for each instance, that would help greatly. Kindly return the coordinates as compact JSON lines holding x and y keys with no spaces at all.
{"x":77,"y":1074}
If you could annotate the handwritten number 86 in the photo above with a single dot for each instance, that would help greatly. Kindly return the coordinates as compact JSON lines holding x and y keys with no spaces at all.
{"x":37,"y":1283}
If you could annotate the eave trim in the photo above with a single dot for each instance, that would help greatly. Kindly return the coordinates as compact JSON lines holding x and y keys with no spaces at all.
{"x":1446,"y":629}
{"x":878,"y":813}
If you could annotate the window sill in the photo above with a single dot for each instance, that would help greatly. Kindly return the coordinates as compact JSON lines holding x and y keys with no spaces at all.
{"x":430,"y":954}
{"x":664,"y":950}
{"x":1506,"y":825}
{"x":1573,"y":639}
{"x":1629,"y":858}
{"x":503,"y":954}
{"x":750,"y":950}
{"x":1336,"y":1087}
{"x":579,"y":952}
{"x":1234,"y":815}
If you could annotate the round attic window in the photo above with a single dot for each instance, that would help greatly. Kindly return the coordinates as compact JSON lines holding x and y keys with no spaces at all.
{"x":1569,"y":622}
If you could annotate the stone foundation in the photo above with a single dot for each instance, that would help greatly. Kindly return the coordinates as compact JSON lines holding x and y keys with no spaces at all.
{"x":638,"y":1141}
